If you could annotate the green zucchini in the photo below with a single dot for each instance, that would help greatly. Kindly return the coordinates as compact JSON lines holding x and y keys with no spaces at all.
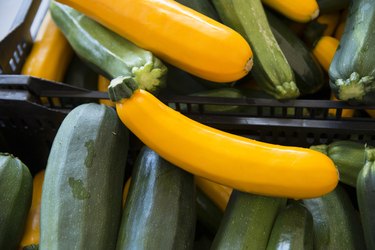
{"x":82,"y":189}
{"x":336,"y":222}
{"x":107,"y":52}
{"x":366,"y":198}
{"x":160,"y":207}
{"x":308,"y":74}
{"x":79,"y":74}
{"x":209,"y":215}
{"x":352,"y":71}
{"x":349,"y":157}
{"x":271,"y":69}
{"x":328,"y":6}
{"x":247,"y":221}
{"x":16,"y":188}
{"x":293,"y":229}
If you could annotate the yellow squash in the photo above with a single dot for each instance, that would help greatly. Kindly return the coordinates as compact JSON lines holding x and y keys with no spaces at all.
{"x":103,"y":84}
{"x":225,"y":158}
{"x":341,"y":26}
{"x":219,"y":194}
{"x":32,"y":231}
{"x":50,"y":54}
{"x":125,"y":191}
{"x":324,"y":50}
{"x":176,"y":34}
{"x":297,"y":10}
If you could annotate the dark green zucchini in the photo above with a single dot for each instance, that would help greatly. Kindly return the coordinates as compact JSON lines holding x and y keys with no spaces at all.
{"x":160,"y":207}
{"x":247,"y":221}
{"x":293,"y":229}
{"x":82,"y":189}
{"x":271,"y":69}
{"x":16,"y":188}
{"x":352,"y":71}
{"x":366,"y":198}
{"x":202,"y":6}
{"x":209,"y":215}
{"x":336,"y":222}
{"x":328,"y":6}
{"x":107,"y":52}
{"x":307,"y":71}
{"x":79,"y":74}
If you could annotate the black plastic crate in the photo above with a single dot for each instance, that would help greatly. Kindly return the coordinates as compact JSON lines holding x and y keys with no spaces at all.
{"x":30,"y":117}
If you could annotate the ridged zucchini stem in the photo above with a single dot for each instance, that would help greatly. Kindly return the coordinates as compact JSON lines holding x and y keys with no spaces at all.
{"x":121,"y":87}
{"x":355,"y":87}
{"x":287,"y":90}
{"x":150,"y":76}
{"x":370,"y":154}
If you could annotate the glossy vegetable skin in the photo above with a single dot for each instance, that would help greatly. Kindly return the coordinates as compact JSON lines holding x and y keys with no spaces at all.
{"x":298,"y":10}
{"x":31,"y":235}
{"x":82,"y":189}
{"x":324,"y":50}
{"x":107,"y":52}
{"x":16,"y":186}
{"x":271,"y":69}
{"x":366,"y":198}
{"x":336,"y":222}
{"x":351,"y":73}
{"x":307,"y":71}
{"x":50,"y":54}
{"x":160,"y":208}
{"x":229,"y":159}
{"x":247,"y":221}
{"x":293,"y":229}
{"x":215,"y":52}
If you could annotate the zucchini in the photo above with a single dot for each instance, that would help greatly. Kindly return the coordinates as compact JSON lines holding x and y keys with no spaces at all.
{"x":349,"y":158}
{"x":352,"y":73}
{"x":230,"y":93}
{"x":329,"y":6}
{"x":307,"y":71}
{"x":366,"y":198}
{"x":79,"y":74}
{"x":31,"y":235}
{"x":247,"y":221}
{"x":160,"y":208}
{"x":293,"y":229}
{"x":82,"y":190}
{"x":336,"y":222}
{"x":271,"y":69}
{"x":107,"y":52}
{"x":204,"y":7}
{"x":16,"y":185}
{"x":209,"y":215}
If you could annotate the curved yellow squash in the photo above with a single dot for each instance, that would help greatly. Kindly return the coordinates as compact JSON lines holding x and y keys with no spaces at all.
{"x":225,"y":158}
{"x":103,"y":84}
{"x":218,"y":193}
{"x":50,"y":54}
{"x":176,"y":34}
{"x":297,"y":10}
{"x":31,"y":235}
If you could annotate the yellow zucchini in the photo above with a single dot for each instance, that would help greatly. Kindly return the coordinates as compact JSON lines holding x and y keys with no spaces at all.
{"x":50,"y":55}
{"x":176,"y":34}
{"x":31,"y":235}
{"x":103,"y":84}
{"x":297,"y":10}
{"x":219,"y":194}
{"x":228,"y":159}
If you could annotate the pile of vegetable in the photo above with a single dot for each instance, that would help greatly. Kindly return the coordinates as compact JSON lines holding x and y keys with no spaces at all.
{"x":188,"y":185}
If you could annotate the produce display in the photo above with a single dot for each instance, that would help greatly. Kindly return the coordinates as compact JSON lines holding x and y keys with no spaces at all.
{"x":135,"y":172}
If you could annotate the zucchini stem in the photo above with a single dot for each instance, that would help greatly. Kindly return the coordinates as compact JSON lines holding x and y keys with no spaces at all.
{"x":121,"y":87}
{"x":355,"y":87}
{"x":287,"y":90}
{"x":150,"y":76}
